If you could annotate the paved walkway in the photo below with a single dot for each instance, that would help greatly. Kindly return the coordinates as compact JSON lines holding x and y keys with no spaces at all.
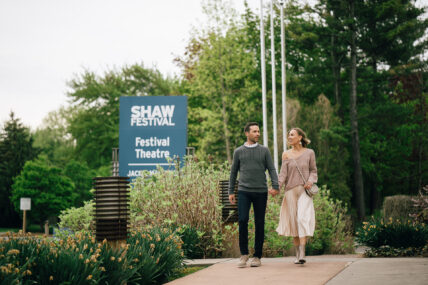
{"x":326,"y":269}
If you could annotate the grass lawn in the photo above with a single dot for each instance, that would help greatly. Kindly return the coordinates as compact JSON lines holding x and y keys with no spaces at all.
{"x":3,"y":230}
{"x":30,"y":229}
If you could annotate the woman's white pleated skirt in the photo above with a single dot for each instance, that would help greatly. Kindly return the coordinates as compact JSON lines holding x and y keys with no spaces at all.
{"x":297,"y":216}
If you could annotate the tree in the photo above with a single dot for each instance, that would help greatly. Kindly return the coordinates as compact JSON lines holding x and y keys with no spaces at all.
{"x":355,"y":139}
{"x":50,"y":191}
{"x":81,"y":176}
{"x":95,"y":126}
{"x":222,"y":96}
{"x":53,"y":138}
{"x":16,"y":147}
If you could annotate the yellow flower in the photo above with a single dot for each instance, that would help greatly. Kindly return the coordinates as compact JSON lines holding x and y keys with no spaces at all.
{"x":89,"y":277}
{"x":85,"y":246}
{"x":81,"y":256}
{"x":86,"y":261}
{"x":112,"y":258}
{"x":51,"y":278}
{"x":13,"y":251}
{"x":102,"y":269}
{"x":119,"y":259}
{"x":27,"y":272}
{"x":152,"y":245}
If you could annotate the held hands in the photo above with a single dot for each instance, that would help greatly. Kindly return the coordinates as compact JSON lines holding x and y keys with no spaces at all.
{"x":273,"y":192}
{"x":232,"y":199}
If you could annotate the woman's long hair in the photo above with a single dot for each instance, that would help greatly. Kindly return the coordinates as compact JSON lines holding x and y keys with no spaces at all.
{"x":305,"y":141}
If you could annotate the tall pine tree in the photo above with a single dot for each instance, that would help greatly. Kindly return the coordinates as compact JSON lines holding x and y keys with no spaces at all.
{"x":16,"y":147}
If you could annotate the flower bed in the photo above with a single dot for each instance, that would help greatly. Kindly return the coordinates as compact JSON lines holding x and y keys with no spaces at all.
{"x":393,"y":237}
{"x":151,"y":256}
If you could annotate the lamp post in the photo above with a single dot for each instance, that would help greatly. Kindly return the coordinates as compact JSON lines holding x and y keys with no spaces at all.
{"x":272,"y":52}
{"x":283,"y":78}
{"x":263,"y":65}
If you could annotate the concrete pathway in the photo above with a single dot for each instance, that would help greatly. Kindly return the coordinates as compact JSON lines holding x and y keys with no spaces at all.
{"x":326,"y":269}
{"x":391,"y":271}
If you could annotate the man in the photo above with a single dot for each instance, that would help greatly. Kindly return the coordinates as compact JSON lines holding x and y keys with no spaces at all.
{"x":251,"y":161}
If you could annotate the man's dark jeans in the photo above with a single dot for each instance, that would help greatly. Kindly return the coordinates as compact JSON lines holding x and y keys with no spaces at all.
{"x":259,"y":200}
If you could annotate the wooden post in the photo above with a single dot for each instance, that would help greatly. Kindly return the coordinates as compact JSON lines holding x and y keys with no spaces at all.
{"x":24,"y":223}
{"x":46,"y":228}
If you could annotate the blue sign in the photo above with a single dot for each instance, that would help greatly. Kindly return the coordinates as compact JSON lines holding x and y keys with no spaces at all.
{"x":152,"y":130}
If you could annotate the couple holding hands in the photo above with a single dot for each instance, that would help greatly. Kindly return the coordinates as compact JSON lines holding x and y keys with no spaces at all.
{"x":298,"y":172}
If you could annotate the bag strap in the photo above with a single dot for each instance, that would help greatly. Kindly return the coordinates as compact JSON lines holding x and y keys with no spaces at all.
{"x":299,"y":170}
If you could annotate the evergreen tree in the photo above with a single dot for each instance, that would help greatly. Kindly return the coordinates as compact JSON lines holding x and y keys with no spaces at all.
{"x":16,"y":147}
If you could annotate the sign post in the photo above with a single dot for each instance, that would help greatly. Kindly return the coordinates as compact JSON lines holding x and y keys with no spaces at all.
{"x":152,"y":133}
{"x":24,"y":206}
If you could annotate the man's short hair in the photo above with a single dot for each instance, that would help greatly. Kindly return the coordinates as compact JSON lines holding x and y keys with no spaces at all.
{"x":248,"y":125}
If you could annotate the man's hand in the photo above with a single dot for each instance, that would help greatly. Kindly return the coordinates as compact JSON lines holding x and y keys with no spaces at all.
{"x":273,"y":192}
{"x":232,"y":199}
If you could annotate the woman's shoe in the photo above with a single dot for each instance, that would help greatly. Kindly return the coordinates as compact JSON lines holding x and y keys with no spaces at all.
{"x":302,"y":258}
{"x":296,"y":249}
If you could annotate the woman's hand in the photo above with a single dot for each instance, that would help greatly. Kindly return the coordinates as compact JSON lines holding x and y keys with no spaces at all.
{"x":308,"y":185}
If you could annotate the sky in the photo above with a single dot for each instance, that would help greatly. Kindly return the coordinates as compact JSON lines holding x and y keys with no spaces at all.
{"x":45,"y":43}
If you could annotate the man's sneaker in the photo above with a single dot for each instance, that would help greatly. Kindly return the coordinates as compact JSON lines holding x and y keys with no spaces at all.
{"x":255,"y":262}
{"x":243,"y":261}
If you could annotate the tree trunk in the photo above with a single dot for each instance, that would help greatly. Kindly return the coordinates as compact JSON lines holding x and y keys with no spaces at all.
{"x":358,"y":175}
{"x":374,"y":195}
{"x":335,"y":64}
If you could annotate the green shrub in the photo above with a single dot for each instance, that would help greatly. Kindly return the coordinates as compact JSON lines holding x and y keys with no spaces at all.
{"x":189,"y":197}
{"x":78,"y":219}
{"x":398,"y":207}
{"x":394,"y":233}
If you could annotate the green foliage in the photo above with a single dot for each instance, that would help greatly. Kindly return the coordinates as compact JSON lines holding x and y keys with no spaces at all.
{"x":53,"y":139}
{"x":151,"y":256}
{"x":50,"y":191}
{"x":393,"y":233}
{"x":189,"y":197}
{"x":388,"y":251}
{"x":398,"y":207}
{"x":191,"y":241}
{"x":156,"y":253}
{"x":16,"y":147}
{"x":219,"y":88}
{"x":81,"y":176}
{"x":78,"y":219}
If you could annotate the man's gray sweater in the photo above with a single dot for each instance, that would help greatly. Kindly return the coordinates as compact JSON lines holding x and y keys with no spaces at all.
{"x":251,"y":163}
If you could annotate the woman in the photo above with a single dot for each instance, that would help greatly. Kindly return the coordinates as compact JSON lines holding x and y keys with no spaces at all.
{"x":297,"y":216}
